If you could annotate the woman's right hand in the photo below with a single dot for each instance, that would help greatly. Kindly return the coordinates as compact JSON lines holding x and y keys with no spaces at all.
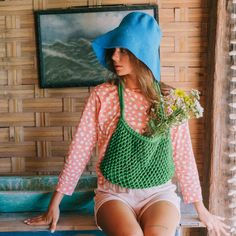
{"x":50,"y":217}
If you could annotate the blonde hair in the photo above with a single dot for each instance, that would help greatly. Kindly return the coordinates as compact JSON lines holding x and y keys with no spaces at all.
{"x":146,"y":79}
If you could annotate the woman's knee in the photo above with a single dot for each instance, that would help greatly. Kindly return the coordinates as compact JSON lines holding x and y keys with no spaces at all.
{"x":160,"y":219}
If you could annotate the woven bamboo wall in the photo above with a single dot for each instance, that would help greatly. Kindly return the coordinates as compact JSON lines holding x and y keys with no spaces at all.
{"x":36,"y":125}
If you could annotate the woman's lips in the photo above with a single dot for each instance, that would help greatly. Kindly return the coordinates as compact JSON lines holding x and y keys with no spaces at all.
{"x":117,"y":67}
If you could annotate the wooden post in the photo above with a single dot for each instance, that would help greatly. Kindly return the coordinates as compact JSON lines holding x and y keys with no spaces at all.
{"x":217,"y":133}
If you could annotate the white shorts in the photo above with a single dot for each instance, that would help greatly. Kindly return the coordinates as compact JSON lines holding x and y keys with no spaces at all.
{"x":138,"y":200}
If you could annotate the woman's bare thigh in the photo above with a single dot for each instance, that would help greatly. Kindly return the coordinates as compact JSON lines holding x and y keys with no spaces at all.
{"x":160,"y":219}
{"x":116,"y":219}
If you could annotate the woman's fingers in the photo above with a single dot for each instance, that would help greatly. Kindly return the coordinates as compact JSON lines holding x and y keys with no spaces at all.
{"x":218,"y":227}
{"x":220,"y":218}
{"x":225,"y":226}
{"x":221,"y":226}
{"x":165,"y":92}
{"x":225,"y":232}
{"x":218,"y":231}
{"x":39,"y":220}
{"x":33,"y":219}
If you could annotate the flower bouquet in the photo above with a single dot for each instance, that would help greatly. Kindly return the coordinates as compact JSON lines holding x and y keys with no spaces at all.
{"x":172,"y":110}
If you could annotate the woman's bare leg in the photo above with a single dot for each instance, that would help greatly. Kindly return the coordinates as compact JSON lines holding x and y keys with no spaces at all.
{"x":117,"y":219}
{"x":160,"y":219}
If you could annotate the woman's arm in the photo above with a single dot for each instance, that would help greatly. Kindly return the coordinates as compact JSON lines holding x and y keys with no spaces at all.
{"x":185,"y":164}
{"x":81,"y":147}
{"x":187,"y":174}
{"x":79,"y":154}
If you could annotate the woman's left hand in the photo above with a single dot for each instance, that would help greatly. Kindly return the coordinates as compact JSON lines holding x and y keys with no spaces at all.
{"x":165,"y":89}
{"x":213,"y":223}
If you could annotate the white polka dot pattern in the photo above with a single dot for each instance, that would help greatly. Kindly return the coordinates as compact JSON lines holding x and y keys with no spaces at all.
{"x":98,"y":122}
{"x":185,"y":165}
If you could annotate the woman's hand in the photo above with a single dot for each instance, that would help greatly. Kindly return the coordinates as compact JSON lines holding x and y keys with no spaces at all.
{"x":165,"y":89}
{"x":50,"y":217}
{"x":213,"y":223}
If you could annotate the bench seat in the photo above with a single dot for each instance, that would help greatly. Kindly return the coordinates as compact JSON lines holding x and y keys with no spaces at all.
{"x":73,"y":221}
{"x":23,"y":197}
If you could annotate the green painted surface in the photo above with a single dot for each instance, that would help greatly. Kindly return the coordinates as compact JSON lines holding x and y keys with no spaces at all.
{"x":21,"y":194}
{"x":41,"y":183}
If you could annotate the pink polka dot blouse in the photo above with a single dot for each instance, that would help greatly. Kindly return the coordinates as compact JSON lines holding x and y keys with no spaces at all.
{"x":97,"y":124}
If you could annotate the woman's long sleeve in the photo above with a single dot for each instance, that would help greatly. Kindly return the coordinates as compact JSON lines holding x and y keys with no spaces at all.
{"x":81,"y":147}
{"x":185,"y":164}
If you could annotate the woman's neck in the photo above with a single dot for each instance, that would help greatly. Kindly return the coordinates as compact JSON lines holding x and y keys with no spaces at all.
{"x":131,"y":82}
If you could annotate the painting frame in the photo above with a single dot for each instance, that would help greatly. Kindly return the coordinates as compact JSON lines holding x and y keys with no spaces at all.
{"x":62,"y":58}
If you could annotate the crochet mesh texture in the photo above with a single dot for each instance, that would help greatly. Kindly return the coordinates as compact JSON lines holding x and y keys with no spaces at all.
{"x":136,"y":161}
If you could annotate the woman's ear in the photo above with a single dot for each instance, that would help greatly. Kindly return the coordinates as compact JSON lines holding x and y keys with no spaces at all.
{"x":165,"y":89}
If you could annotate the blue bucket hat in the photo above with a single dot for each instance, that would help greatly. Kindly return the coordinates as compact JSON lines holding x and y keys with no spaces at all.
{"x":140,"y":34}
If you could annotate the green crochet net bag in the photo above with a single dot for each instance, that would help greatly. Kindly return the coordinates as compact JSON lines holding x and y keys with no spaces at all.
{"x":135,"y":161}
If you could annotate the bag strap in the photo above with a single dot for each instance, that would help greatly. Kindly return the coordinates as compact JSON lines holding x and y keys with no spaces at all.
{"x":121,"y":99}
{"x":158,"y":88}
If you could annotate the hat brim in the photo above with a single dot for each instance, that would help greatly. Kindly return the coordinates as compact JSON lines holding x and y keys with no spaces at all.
{"x":145,"y":50}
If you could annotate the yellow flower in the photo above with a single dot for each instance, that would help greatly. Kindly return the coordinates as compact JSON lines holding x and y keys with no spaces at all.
{"x":180,"y":93}
{"x":188,"y":100}
{"x":173,"y":107}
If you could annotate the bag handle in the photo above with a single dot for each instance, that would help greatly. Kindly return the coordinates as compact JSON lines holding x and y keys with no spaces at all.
{"x":121,"y":99}
{"x":158,"y":88}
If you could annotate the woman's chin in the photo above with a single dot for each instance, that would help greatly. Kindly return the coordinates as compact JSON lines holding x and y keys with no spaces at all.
{"x":119,"y":73}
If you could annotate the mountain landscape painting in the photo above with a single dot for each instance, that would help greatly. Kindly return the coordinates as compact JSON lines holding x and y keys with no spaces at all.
{"x":66,"y":57}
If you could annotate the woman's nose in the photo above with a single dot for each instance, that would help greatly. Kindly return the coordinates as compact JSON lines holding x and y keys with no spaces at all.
{"x":116,"y":55}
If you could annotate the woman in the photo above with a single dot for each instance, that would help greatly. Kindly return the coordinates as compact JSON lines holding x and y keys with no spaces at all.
{"x":135,"y":195}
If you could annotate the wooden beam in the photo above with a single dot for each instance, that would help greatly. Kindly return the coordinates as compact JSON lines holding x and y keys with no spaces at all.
{"x":219,"y":87}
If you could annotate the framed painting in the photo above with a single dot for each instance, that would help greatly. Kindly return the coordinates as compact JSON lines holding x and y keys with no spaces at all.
{"x":63,"y":37}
